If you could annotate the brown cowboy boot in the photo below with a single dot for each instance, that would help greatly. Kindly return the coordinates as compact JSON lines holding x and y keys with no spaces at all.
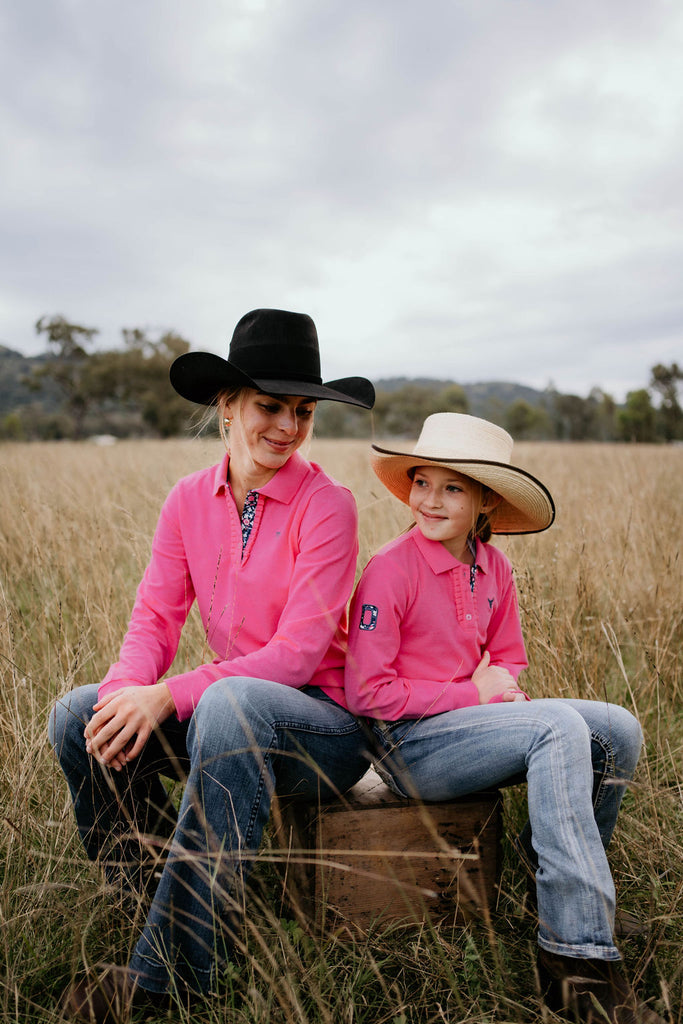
{"x":590,"y":991}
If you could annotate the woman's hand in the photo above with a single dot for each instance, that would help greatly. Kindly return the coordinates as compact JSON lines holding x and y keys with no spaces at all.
{"x":124,"y":721}
{"x":495,"y":681}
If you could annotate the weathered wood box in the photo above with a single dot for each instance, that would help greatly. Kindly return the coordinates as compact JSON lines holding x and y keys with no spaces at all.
{"x":372,"y":855}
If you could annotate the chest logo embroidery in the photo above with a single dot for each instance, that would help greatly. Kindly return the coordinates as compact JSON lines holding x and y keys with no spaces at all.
{"x":490,"y":601}
{"x":368,"y":616}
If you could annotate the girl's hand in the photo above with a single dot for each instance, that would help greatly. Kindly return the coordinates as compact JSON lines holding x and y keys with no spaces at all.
{"x":124,"y":721}
{"x":509,"y":695}
{"x":495,"y":681}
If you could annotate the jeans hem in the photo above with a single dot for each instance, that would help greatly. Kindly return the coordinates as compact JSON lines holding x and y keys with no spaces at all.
{"x":584,"y":952}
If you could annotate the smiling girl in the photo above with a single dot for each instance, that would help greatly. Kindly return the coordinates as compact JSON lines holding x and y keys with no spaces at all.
{"x":435,"y":651}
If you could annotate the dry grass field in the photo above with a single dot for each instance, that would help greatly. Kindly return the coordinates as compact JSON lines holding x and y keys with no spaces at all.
{"x":602,"y":601}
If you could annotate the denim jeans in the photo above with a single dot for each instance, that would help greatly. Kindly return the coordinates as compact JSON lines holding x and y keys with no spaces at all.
{"x":247,"y":739}
{"x":578,"y":757}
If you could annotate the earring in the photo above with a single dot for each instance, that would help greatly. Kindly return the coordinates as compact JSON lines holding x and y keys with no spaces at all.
{"x":227,"y":422}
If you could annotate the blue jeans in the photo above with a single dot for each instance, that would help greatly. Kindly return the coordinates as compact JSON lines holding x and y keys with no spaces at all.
{"x":578,"y":757}
{"x":247,"y":739}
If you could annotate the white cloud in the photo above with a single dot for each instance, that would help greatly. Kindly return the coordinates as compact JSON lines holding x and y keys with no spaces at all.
{"x":486,"y":189}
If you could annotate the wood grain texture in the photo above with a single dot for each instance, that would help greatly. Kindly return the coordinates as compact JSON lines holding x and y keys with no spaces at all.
{"x":373,"y":855}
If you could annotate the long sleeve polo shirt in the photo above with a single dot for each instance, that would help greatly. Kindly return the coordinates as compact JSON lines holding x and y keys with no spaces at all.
{"x":275,"y":610}
{"x":417,"y":632}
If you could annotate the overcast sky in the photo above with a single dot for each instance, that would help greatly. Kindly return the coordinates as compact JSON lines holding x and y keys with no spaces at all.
{"x":465,"y":189}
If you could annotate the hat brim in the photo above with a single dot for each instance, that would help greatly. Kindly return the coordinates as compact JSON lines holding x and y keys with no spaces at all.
{"x":527,"y":505}
{"x":201,"y":376}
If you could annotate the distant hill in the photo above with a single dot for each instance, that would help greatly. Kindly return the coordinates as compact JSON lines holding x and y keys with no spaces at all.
{"x":14,"y":368}
{"x":485,"y":398}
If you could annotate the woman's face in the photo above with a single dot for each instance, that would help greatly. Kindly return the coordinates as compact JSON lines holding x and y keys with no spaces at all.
{"x":266,"y":430}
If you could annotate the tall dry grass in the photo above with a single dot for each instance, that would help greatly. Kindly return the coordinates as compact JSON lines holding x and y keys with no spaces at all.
{"x":602,"y":603}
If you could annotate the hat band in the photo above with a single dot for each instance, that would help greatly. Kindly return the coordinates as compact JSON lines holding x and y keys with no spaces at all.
{"x":303,"y":378}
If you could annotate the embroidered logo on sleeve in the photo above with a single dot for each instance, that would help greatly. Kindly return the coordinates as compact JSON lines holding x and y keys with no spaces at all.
{"x":490,"y":601}
{"x":368,"y":616}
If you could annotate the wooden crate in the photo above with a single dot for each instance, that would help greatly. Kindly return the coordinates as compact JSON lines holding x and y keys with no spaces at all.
{"x":373,"y":855}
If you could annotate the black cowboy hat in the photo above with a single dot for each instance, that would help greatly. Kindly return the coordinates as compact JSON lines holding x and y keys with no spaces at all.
{"x":273,"y":351}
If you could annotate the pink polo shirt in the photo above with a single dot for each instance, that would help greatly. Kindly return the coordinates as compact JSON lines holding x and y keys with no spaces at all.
{"x":417,"y":632}
{"x":275,"y":611}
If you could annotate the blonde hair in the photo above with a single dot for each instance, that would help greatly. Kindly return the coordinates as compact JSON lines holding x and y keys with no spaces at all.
{"x":216,"y":413}
{"x":223,"y":399}
{"x":481,"y":520}
{"x":482,"y":528}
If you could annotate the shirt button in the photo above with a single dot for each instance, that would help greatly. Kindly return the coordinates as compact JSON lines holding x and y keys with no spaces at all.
{"x":468,"y":617}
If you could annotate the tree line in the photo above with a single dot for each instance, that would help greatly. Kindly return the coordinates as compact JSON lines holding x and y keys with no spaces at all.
{"x":125,"y":392}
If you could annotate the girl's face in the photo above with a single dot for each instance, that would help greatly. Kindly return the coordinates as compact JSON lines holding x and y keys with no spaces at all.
{"x":445,"y":506}
{"x":266,"y":431}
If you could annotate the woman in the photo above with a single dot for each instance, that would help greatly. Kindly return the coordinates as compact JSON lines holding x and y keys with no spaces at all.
{"x":266,"y":544}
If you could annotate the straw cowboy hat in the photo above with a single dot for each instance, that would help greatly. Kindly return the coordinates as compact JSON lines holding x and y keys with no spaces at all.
{"x":274,"y":351}
{"x":480,"y":450}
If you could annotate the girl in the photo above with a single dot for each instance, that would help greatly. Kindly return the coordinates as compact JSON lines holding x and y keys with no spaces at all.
{"x":435,"y":652}
{"x":266,"y":543}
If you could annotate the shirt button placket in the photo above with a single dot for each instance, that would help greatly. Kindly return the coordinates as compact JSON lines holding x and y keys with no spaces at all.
{"x":469,"y":596}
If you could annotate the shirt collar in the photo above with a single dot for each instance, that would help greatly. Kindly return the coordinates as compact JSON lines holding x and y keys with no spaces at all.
{"x":282,"y":486}
{"x":439,"y":559}
{"x":220,"y":480}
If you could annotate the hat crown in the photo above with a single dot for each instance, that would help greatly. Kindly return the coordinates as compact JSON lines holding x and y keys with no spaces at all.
{"x":277,"y":345}
{"x":271,"y":350}
{"x":457,"y":436}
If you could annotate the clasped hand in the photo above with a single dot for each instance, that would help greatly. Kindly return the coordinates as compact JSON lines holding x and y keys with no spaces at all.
{"x":493,"y":681}
{"x":124,"y":721}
